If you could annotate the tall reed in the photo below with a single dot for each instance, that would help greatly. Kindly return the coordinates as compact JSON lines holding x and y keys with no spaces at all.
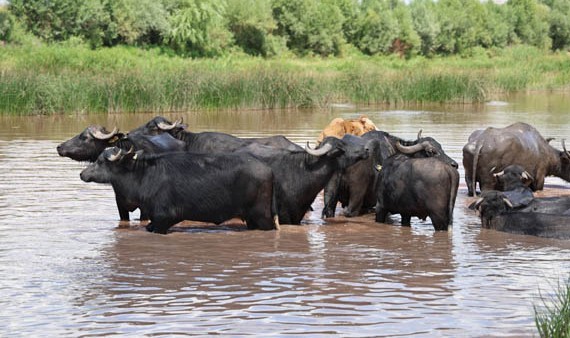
{"x":73,"y":79}
{"x":552,"y":318}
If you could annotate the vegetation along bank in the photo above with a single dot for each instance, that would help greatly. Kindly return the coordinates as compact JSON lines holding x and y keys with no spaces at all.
{"x":68,"y":56}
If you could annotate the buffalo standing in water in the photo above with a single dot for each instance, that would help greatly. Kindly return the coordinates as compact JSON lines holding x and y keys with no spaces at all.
{"x":421,"y":187}
{"x":208,"y":141}
{"x":356,"y":187}
{"x":91,"y":142}
{"x":177,"y":186}
{"x":493,"y":149}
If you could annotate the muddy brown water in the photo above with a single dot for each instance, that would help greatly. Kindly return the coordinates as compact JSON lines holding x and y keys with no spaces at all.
{"x":68,"y":269}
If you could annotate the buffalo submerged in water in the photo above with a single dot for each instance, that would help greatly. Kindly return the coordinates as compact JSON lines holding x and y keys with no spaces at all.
{"x":516,"y":210}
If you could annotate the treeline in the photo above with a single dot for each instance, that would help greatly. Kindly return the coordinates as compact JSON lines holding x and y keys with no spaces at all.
{"x":267,"y":28}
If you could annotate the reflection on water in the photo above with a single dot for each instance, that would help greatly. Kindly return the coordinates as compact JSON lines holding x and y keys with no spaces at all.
{"x":68,"y":269}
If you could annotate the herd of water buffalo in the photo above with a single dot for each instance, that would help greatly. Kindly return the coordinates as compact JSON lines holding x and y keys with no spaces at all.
{"x":172,"y":174}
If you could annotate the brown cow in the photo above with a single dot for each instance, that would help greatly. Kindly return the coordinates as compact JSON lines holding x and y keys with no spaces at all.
{"x":338,"y":127}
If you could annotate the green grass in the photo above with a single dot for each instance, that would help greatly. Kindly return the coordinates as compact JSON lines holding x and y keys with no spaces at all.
{"x":552,"y":317}
{"x":52,"y":79}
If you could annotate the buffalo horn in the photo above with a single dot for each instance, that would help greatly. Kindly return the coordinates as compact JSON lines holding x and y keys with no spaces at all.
{"x":564,"y":147}
{"x":527,"y":176}
{"x":419,"y":134}
{"x":550,"y":139}
{"x":114,"y":157}
{"x":475,"y":205}
{"x":501,"y":173}
{"x":98,"y":133}
{"x":508,"y":203}
{"x":166,"y":126}
{"x":319,"y":151}
{"x":409,"y":149}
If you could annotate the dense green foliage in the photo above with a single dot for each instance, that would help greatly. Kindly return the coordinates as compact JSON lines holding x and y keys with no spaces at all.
{"x":212,"y":28}
{"x":552,"y":317}
{"x":78,"y":56}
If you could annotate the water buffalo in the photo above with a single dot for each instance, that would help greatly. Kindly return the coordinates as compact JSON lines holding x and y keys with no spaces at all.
{"x":90,"y":143}
{"x":418,"y":187}
{"x":178,"y":186}
{"x":208,"y":141}
{"x":355,"y":188}
{"x":338,"y":127}
{"x":493,"y":149}
{"x":301,"y":174}
{"x":543,"y":217}
{"x":514,"y":181}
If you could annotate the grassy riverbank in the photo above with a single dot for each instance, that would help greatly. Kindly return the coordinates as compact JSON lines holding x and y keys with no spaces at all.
{"x":73,"y":79}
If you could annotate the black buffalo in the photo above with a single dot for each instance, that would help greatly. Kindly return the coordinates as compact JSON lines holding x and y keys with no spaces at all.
{"x":91,"y":142}
{"x":208,"y":141}
{"x":514,"y":181}
{"x":178,"y":186}
{"x":491,"y":150}
{"x":543,"y":217}
{"x":301,"y":174}
{"x":421,"y":187}
{"x":356,"y":189}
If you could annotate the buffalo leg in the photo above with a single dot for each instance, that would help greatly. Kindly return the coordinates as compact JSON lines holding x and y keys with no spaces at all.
{"x":355,"y":203}
{"x":406,"y":220}
{"x":144,"y":215}
{"x":159,"y":226}
{"x":439,"y":223}
{"x":381,"y":214}
{"x":469,"y":182}
{"x":330,"y":196}
{"x":123,"y":210}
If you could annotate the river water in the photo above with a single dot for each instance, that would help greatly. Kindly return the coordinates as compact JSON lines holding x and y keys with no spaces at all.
{"x":67,"y":268}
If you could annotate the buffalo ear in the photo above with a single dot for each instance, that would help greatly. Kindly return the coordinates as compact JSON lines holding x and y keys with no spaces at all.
{"x":132,"y":155}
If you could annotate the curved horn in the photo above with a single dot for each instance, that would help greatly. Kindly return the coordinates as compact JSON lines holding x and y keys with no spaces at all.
{"x":550,"y":139}
{"x":527,"y":176}
{"x":114,"y":157}
{"x":507,"y":202}
{"x":165,"y":126}
{"x":98,"y":133}
{"x":419,"y":134}
{"x":564,"y":147}
{"x":475,"y":205}
{"x":320,"y":151}
{"x":409,"y":149}
{"x":501,"y":173}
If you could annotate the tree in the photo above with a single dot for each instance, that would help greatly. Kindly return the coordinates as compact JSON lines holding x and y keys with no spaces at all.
{"x":529,"y":20}
{"x":251,"y":23}
{"x":136,"y":22}
{"x":199,"y":28}
{"x":54,"y":20}
{"x":559,"y":20}
{"x":377,"y":28}
{"x":310,"y":25}
{"x":426,"y":24}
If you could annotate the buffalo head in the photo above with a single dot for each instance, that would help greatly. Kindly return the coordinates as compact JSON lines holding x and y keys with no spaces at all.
{"x":109,"y":161}
{"x":426,"y":147}
{"x":491,"y":204}
{"x":89,"y":143}
{"x":159,"y":125}
{"x":348,"y":150}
